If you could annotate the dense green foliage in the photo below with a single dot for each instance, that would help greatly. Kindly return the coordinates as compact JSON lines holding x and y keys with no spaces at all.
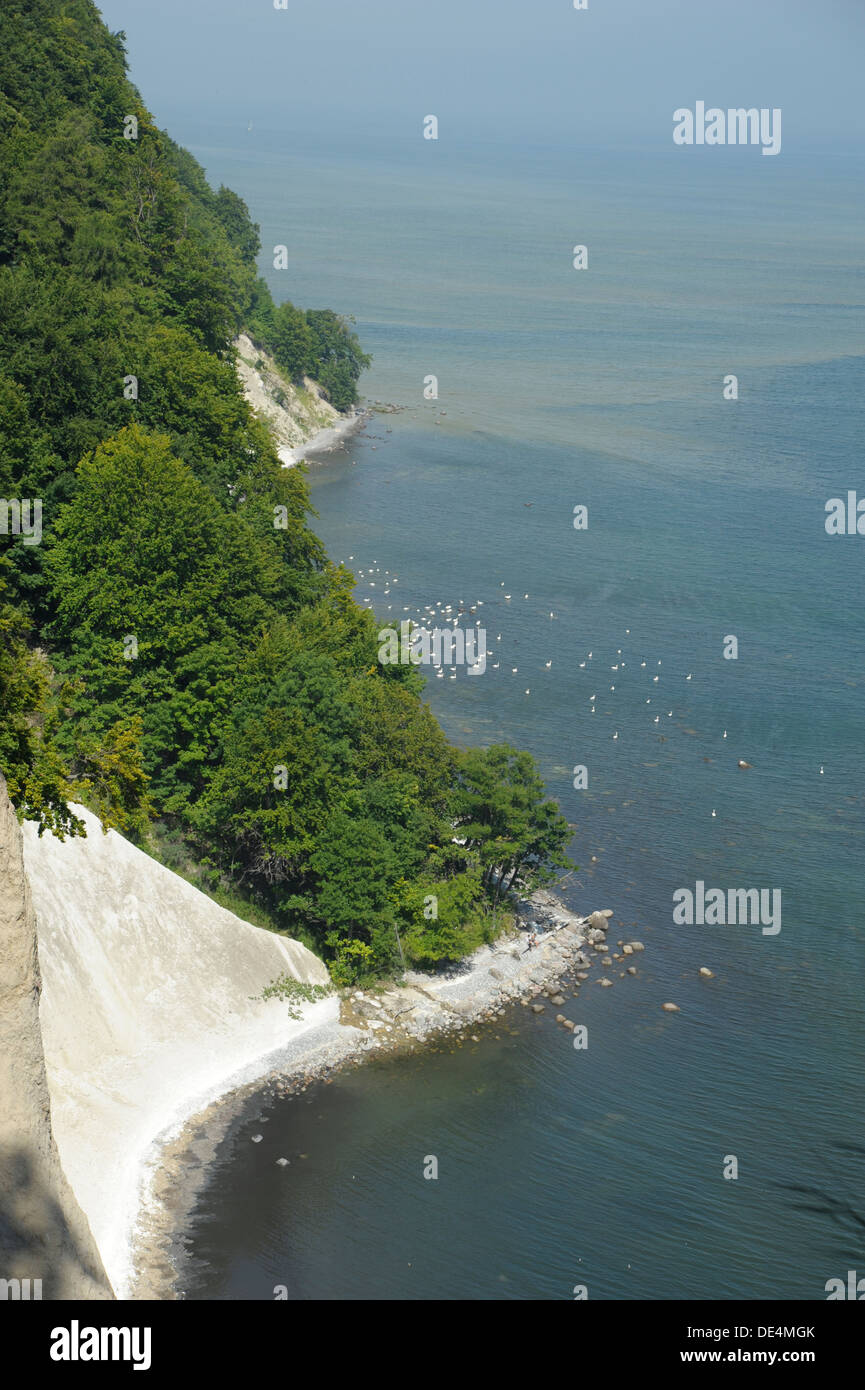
{"x":178,"y":645}
{"x":34,"y":773}
{"x":294,"y":993}
{"x":318,"y":343}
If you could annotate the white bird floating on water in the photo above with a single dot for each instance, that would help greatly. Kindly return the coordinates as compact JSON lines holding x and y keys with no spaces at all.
{"x":548,"y":664}
{"x":616,"y":734}
{"x":821,"y":769}
{"x":724,"y":735}
{"x":713,"y":813}
{"x":688,"y":677}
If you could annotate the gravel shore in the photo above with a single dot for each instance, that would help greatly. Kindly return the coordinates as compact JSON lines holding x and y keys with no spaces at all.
{"x":344,"y":1030}
{"x":324,"y":441}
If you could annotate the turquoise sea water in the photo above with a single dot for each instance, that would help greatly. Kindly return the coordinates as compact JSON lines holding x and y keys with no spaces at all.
{"x":706,"y":518}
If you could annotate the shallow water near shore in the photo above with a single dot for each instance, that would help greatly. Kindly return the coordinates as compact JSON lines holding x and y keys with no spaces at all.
{"x":548,"y":1174}
{"x":706,"y":518}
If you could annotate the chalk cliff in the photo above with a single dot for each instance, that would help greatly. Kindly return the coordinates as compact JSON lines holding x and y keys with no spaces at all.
{"x":148,"y":1012}
{"x":300,"y":417}
{"x":44,"y":1234}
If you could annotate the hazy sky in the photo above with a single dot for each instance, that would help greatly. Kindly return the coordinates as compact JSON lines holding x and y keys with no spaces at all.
{"x":509,"y":67}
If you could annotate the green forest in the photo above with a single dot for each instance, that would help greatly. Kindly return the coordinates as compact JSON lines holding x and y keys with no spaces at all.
{"x":178,"y":654}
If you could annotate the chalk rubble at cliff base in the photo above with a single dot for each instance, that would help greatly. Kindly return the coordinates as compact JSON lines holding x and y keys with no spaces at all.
{"x":422,"y":1006}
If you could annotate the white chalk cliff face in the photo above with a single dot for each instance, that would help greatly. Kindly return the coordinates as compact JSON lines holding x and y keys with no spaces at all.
{"x":148,"y":1013}
{"x":44,"y":1235}
{"x":295,"y":414}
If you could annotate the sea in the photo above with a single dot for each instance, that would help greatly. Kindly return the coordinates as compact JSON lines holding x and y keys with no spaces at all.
{"x":701,"y":618}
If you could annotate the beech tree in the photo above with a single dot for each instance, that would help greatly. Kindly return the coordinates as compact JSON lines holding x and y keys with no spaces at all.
{"x":503,"y":814}
{"x":35,"y":775}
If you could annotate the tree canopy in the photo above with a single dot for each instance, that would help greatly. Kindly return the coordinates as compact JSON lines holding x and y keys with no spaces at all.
{"x":178,"y":653}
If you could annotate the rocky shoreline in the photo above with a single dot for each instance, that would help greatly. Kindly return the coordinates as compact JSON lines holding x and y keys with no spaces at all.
{"x":325,"y":440}
{"x":402,"y":1017}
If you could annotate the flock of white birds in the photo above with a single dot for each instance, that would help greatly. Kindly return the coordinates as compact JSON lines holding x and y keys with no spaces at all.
{"x":440,"y":614}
